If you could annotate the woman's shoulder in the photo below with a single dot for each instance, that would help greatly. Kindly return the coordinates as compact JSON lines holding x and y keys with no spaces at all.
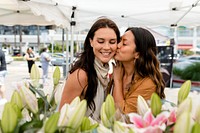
{"x":81,"y":73}
{"x":80,"y":76}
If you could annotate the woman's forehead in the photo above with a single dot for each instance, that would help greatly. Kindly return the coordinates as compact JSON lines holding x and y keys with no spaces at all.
{"x":128,"y":35}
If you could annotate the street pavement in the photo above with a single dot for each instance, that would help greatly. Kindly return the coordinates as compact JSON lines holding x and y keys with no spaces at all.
{"x":17,"y":72}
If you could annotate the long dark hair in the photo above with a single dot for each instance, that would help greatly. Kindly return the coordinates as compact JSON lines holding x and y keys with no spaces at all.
{"x":148,"y":65}
{"x":86,"y":59}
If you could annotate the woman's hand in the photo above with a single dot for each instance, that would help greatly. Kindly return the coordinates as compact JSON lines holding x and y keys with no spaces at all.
{"x":118,"y":72}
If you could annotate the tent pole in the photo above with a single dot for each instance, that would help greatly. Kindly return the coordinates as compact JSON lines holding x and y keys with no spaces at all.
{"x":38,"y":36}
{"x":63,"y":38}
{"x":72,"y":24}
{"x":20,"y":39}
{"x":67,"y":52}
{"x":193,"y":5}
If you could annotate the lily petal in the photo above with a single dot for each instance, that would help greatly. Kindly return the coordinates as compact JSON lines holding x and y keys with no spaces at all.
{"x":136,"y":119}
{"x":148,"y":118}
{"x":160,"y":119}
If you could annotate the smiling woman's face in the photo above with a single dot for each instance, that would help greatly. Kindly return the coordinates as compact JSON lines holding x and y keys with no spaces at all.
{"x":104,"y":44}
{"x":126,"y":48}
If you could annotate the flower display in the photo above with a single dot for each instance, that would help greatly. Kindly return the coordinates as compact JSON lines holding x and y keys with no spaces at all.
{"x":32,"y":111}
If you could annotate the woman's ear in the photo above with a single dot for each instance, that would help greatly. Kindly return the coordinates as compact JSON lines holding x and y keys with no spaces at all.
{"x":137,"y":55}
{"x":91,"y":44}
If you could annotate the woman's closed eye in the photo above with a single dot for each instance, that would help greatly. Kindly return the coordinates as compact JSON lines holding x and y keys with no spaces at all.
{"x":113,"y":41}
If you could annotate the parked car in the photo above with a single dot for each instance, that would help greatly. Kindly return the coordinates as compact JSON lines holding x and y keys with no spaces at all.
{"x":184,"y":62}
{"x":192,"y":58}
{"x":58,"y":59}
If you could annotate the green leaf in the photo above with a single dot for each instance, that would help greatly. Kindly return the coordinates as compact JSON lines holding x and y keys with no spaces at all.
{"x":56,"y":76}
{"x":184,"y":91}
{"x":31,"y":127}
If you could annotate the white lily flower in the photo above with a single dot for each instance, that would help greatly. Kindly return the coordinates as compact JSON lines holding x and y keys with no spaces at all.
{"x":102,"y":129}
{"x":71,"y":115}
{"x":110,"y":71}
{"x":29,"y":98}
{"x":142,"y":106}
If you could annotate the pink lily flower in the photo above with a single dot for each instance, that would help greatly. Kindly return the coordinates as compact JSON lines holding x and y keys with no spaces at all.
{"x":172,"y":117}
{"x":149,"y":123}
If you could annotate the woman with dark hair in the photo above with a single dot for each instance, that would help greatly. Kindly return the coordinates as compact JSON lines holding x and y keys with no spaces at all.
{"x":30,"y":57}
{"x":88,"y":76}
{"x":137,"y":71}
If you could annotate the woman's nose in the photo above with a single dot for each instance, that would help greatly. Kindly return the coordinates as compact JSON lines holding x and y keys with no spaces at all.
{"x":107,"y":45}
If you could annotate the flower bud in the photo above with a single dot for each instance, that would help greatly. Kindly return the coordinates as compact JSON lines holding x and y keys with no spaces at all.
{"x":184,"y":123}
{"x":56,"y":76}
{"x":9,"y":118}
{"x":196,"y":128}
{"x":35,"y":75}
{"x":184,"y":91}
{"x":156,"y":104}
{"x":110,"y":108}
{"x":185,"y":106}
{"x":118,"y":128}
{"x":197,"y":114}
{"x":16,"y":98}
{"x":30,"y":99}
{"x":142,"y":106}
{"x":51,"y":124}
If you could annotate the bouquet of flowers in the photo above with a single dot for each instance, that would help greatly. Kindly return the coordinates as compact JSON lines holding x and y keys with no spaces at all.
{"x":30,"y":110}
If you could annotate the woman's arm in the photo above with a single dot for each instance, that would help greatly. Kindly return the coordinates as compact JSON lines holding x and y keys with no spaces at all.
{"x":74,"y":86}
{"x":118,"y":84}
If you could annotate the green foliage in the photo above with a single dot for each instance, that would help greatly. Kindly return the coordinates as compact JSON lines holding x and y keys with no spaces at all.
{"x":187,"y":52}
{"x":189,"y":73}
{"x":18,"y":58}
{"x":192,"y":72}
{"x":57,"y":47}
{"x":177,"y":71}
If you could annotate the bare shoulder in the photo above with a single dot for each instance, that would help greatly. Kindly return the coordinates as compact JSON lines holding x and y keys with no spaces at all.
{"x":79,"y":77}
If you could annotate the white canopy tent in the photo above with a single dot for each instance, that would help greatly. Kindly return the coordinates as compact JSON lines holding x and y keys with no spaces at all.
{"x":43,"y":12}
{"x":144,"y":13}
{"x":148,"y":13}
